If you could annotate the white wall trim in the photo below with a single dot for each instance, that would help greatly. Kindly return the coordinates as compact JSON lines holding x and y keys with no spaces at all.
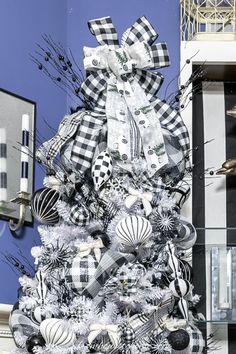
{"x":6,"y":340}
{"x":5,"y":311}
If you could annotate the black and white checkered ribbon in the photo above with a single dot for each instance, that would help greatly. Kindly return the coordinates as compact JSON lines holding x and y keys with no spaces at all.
{"x":120,"y":86}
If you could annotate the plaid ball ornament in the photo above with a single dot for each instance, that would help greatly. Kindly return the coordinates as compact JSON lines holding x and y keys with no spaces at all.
{"x":80,"y":272}
{"x":127,"y":333}
{"x":79,"y":215}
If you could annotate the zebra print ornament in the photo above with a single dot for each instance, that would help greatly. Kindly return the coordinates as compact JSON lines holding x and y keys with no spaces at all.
{"x":56,"y":333}
{"x":43,"y":206}
{"x":134,"y":231}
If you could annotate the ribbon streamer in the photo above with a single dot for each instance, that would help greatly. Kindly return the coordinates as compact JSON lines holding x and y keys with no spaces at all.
{"x":135,"y":195}
{"x":112,"y":330}
{"x":95,"y":246}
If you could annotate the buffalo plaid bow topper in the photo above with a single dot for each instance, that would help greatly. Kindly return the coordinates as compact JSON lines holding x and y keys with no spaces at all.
{"x":120,"y":86}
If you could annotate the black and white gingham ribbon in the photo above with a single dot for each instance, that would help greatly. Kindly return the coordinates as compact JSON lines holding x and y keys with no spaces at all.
{"x":110,"y":261}
{"x":67,"y":129}
{"x":118,"y":76}
{"x":88,"y":127}
{"x":95,"y":87}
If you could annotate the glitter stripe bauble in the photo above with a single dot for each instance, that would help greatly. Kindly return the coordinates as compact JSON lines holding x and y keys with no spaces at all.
{"x":43,"y":206}
{"x":55,"y":332}
{"x":134,"y":231}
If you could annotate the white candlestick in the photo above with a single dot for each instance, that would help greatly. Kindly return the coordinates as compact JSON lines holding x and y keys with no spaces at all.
{"x":3,"y":165}
{"x":24,"y":153}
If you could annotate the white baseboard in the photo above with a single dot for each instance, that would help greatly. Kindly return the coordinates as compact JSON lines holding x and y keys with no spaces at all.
{"x":6,"y":340}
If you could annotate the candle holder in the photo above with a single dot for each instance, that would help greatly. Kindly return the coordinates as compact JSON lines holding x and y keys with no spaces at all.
{"x":23,"y":200}
{"x":5,"y":207}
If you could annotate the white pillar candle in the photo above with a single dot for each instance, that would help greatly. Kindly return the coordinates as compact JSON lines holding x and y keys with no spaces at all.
{"x":24,"y":154}
{"x":3,"y":165}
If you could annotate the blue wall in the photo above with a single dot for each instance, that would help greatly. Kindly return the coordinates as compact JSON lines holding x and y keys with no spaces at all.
{"x":163,"y":14}
{"x":21,"y":26}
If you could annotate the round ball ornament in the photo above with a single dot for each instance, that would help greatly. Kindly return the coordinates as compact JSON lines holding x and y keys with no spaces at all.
{"x":127,"y":334}
{"x":43,"y":206}
{"x":35,"y":340}
{"x":187,"y":235}
{"x":179,"y":340}
{"x":56,"y":333}
{"x":134,"y":231}
{"x":38,"y":315}
{"x":80,"y":272}
{"x":180,"y":287}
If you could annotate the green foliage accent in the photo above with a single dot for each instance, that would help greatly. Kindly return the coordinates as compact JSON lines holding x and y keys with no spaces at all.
{"x":147,"y":48}
{"x":122,"y":58}
{"x":146,"y":109}
{"x":112,"y":88}
{"x":159,"y":149}
{"x":116,"y":155}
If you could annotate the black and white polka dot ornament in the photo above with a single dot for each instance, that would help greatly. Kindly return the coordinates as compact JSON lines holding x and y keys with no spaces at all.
{"x":101,"y":169}
{"x":43,"y":206}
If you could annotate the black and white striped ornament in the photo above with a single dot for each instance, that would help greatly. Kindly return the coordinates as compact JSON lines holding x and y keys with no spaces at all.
{"x":134,"y":231}
{"x":183,"y":306}
{"x":56,"y":333}
{"x":43,"y":206}
{"x":180,"y":287}
{"x":39,"y":315}
{"x":101,"y":169}
{"x":187,"y":235}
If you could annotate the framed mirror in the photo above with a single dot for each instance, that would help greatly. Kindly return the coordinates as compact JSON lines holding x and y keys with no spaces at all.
{"x":17,"y":125}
